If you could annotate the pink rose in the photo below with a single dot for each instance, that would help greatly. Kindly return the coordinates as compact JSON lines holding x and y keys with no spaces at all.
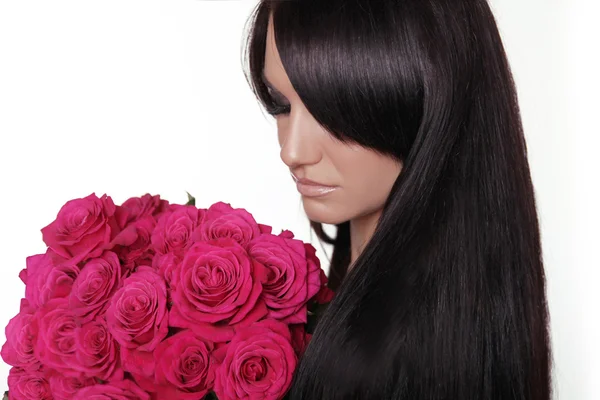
{"x":138,"y":318}
{"x":175,"y":229}
{"x":140,"y":365}
{"x":217,"y":284}
{"x":258,"y":363}
{"x":265,"y":228}
{"x":167,"y":267}
{"x":184,"y":367}
{"x":293,"y":275}
{"x":118,"y":390}
{"x":64,"y":387}
{"x":55,"y":345}
{"x":137,"y":315}
{"x":96,"y":351}
{"x":325,"y":294}
{"x":18,"y":350}
{"x":44,"y":281}
{"x":300,"y":338}
{"x":93,"y":288}
{"x":223,"y":221}
{"x":82,"y":228}
{"x":136,"y":208}
{"x":139,"y":251}
{"x":24,"y":385}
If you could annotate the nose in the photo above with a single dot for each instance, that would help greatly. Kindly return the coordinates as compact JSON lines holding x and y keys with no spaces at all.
{"x":298,"y":142}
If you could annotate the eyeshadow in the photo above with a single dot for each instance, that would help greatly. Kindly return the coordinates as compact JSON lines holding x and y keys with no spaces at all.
{"x":275,"y":94}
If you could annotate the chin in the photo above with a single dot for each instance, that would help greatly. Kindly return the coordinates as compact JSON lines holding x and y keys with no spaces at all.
{"x":318,"y":210}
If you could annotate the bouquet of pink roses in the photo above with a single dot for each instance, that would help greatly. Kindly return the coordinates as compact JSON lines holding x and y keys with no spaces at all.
{"x":151,"y":300}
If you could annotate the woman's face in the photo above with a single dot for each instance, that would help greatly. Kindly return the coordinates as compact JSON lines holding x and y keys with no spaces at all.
{"x":363,"y":178}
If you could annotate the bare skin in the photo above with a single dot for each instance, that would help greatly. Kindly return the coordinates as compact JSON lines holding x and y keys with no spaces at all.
{"x":363,"y":178}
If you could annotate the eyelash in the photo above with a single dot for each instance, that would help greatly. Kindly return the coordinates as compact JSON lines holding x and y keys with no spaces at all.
{"x":278,"y":109}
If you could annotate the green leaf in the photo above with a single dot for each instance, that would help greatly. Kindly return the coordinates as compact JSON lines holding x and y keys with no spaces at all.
{"x":191,"y":200}
{"x":5,"y":396}
{"x":211,"y":396}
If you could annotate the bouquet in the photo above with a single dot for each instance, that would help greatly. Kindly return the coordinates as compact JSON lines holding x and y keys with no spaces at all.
{"x":151,"y":300}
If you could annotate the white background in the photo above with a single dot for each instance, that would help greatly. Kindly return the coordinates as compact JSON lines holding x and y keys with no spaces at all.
{"x":128,"y":97}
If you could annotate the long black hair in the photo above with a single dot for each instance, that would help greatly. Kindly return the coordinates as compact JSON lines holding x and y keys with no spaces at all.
{"x":447,"y":301}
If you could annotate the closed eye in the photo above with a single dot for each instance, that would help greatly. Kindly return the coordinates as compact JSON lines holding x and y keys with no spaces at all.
{"x":279,"y":109}
{"x":275,"y":107}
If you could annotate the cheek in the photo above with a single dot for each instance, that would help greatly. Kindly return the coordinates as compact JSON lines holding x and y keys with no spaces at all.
{"x":376,"y":189}
{"x":368,"y":185}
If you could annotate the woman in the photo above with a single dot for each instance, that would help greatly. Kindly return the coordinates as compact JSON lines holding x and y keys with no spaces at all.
{"x":407,"y":111}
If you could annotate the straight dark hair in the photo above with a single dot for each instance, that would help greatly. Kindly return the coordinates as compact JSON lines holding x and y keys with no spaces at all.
{"x":447,"y":301}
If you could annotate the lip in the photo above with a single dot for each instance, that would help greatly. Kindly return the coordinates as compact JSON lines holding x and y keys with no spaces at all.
{"x":314,"y":190}
{"x":309,"y":188}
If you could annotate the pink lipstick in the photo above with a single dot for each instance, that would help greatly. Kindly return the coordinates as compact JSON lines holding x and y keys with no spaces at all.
{"x":309,"y":188}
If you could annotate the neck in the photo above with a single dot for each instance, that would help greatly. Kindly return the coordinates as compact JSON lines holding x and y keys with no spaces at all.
{"x":361,"y":231}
